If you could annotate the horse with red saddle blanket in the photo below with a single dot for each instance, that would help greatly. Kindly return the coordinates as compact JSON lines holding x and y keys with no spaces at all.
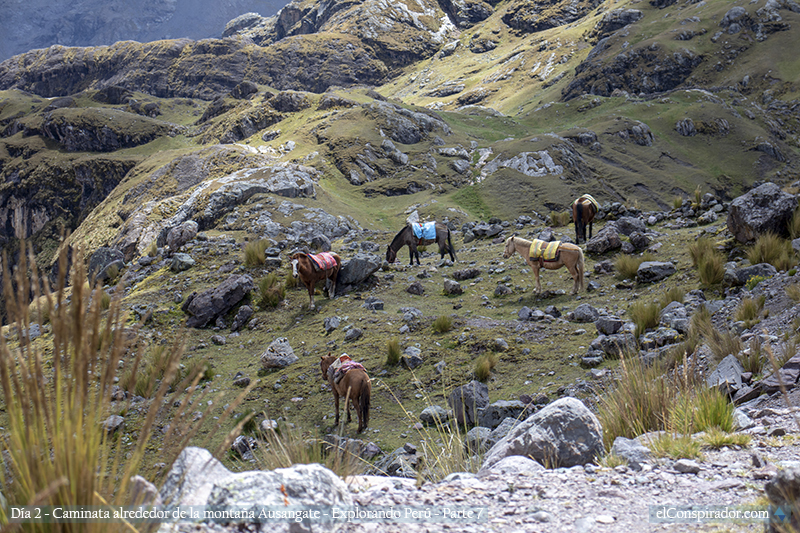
{"x":311,"y":268}
{"x":349,"y":379}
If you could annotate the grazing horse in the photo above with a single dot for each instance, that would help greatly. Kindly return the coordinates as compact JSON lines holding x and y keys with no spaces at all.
{"x":313,"y":268}
{"x":406,"y":237}
{"x":567,"y":254}
{"x":354,"y":385}
{"x":584,"y":210}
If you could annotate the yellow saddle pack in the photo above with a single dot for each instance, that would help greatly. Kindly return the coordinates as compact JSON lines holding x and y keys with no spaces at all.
{"x":544,"y":251}
{"x":588,"y":197}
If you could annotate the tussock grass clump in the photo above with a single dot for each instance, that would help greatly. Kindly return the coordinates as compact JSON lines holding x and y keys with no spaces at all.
{"x":627,"y":265}
{"x":673,"y":294}
{"x":152,"y":250}
{"x":393,"y":352}
{"x":270,"y":293}
{"x":254,"y":253}
{"x":640,"y":402}
{"x":644,"y":315}
{"x":711,"y":269}
{"x":560,"y":218}
{"x":793,"y":292}
{"x":772,"y":249}
{"x":723,"y":343}
{"x":751,"y":358}
{"x":484,"y":366}
{"x":715,"y":438}
{"x":674,"y":446}
{"x":750,"y":311}
{"x":698,"y":198}
{"x":677,"y":202}
{"x":56,"y":451}
{"x":702,"y":247}
{"x":286,"y":446}
{"x":443,"y":324}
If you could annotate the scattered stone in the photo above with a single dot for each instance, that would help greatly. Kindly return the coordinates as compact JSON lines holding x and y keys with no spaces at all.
{"x":279,"y":354}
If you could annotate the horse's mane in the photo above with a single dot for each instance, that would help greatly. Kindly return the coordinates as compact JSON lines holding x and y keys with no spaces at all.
{"x":520,"y":239}
{"x":397,"y":237}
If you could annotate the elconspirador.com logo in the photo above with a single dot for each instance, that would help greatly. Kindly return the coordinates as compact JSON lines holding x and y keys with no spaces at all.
{"x":710,"y":514}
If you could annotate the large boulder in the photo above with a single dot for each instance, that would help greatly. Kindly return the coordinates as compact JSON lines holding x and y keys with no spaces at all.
{"x":740,"y":276}
{"x":652,"y":271}
{"x":783,"y":492}
{"x":279,"y":354}
{"x":356,"y":270}
{"x":564,"y":433}
{"x":102,"y":261}
{"x":211,"y":303}
{"x":467,"y":400}
{"x":180,"y":235}
{"x":727,"y":377}
{"x":492,"y":415}
{"x":762,"y":210}
{"x":605,"y":240}
{"x":788,"y":375}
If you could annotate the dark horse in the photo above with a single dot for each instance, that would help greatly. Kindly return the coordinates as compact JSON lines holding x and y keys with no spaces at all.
{"x":583,"y":211}
{"x":354,"y":386}
{"x":406,"y":237}
{"x":303,"y":267}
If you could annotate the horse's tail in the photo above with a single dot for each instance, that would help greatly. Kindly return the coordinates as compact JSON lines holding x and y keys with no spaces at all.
{"x":580,"y":227}
{"x":581,"y":266}
{"x":363,"y":400}
{"x":450,"y":244}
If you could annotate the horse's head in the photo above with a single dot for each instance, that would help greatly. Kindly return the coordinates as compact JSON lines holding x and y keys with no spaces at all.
{"x":325,"y":362}
{"x":391,"y":255}
{"x":510,"y":248}
{"x":295,"y":260}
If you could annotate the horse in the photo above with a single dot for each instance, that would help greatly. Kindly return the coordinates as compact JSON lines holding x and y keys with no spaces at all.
{"x":569,"y":255}
{"x":355,"y":386}
{"x":406,"y":237}
{"x":584,"y":210}
{"x":305,"y":268}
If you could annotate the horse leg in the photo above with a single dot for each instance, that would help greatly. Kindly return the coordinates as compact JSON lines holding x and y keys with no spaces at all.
{"x":536,"y":275}
{"x":590,"y":228}
{"x":573,"y":270}
{"x":336,"y":402}
{"x":412,"y":251}
{"x":332,"y":290}
{"x":310,"y":287}
{"x":347,"y":401}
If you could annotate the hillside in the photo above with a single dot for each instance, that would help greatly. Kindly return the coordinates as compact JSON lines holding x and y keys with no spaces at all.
{"x":172,"y":165}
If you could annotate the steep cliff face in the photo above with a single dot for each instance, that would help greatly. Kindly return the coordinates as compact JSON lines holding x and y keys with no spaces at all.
{"x":39,"y":24}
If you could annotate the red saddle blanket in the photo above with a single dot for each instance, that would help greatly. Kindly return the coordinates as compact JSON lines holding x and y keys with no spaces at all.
{"x":322,"y":261}
{"x":337,"y":372}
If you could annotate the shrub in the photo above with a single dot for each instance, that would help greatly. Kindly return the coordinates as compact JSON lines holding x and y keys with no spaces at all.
{"x":677,"y":202}
{"x":393,"y":352}
{"x":254,"y":253}
{"x":753,"y":281}
{"x":698,"y":198}
{"x":644,"y":315}
{"x":772,"y":249}
{"x":443,"y":324}
{"x":674,"y":446}
{"x":712,"y":409}
{"x":270,"y":293}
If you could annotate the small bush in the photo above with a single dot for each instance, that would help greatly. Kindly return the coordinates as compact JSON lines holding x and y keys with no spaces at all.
{"x":291,"y":282}
{"x":254,"y":253}
{"x":673,"y":294}
{"x":772,"y":249}
{"x":750,"y":311}
{"x":751,"y":358}
{"x":675,"y":446}
{"x":152,"y":250}
{"x":753,"y":281}
{"x":712,"y":410}
{"x":612,"y":460}
{"x":677,"y":202}
{"x":644,"y":315}
{"x":393,"y":352}
{"x":443,"y":324}
{"x":484,"y":366}
{"x":698,"y":198}
{"x":270,"y":293}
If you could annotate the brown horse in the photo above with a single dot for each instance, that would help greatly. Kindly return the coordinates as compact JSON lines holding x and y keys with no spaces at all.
{"x":304,"y":267}
{"x":355,"y":386}
{"x":406,"y":237}
{"x":569,"y":255}
{"x":584,"y":210}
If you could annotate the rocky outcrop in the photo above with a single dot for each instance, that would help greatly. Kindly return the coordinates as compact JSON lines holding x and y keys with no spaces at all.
{"x":195,"y":69}
{"x":614,"y":20}
{"x":530,"y":16}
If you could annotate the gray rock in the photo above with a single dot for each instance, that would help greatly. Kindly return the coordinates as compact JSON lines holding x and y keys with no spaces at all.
{"x":632,"y":451}
{"x":181,"y":262}
{"x":373,"y":304}
{"x":434,"y":415}
{"x":639,"y":241}
{"x":674,"y":316}
{"x":452,"y":288}
{"x":113,"y":423}
{"x":564,"y":433}
{"x":763,"y":209}
{"x":783,"y":492}
{"x":212,"y":303}
{"x":279,"y":354}
{"x":608,"y":325}
{"x":192,"y":476}
{"x":605,"y":240}
{"x":788,"y":374}
{"x":493,"y":414}
{"x":686,"y":466}
{"x":467,"y":273}
{"x":467,"y":400}
{"x":737,"y":277}
{"x":412,"y":358}
{"x":353,"y":334}
{"x":475,"y":441}
{"x":102,"y":261}
{"x":242,"y":317}
{"x":180,"y":235}
{"x":652,"y":271}
{"x":143,"y":492}
{"x":502,"y":430}
{"x":629,"y":225}
{"x":331,"y":324}
{"x":727,"y":377}
{"x":585,"y":313}
{"x":356,"y":270}
{"x":512,"y":465}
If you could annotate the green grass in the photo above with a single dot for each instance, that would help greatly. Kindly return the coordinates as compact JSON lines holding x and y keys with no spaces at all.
{"x":644,"y":315}
{"x":673,"y":294}
{"x":772,"y":249}
{"x":270,"y":292}
{"x":443,"y":324}
{"x":393,"y":352}
{"x":254,"y":253}
{"x":675,"y":446}
{"x":484,"y":366}
{"x":627,"y":265}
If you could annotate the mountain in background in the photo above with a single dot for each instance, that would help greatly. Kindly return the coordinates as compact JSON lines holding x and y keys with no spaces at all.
{"x":27,"y":25}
